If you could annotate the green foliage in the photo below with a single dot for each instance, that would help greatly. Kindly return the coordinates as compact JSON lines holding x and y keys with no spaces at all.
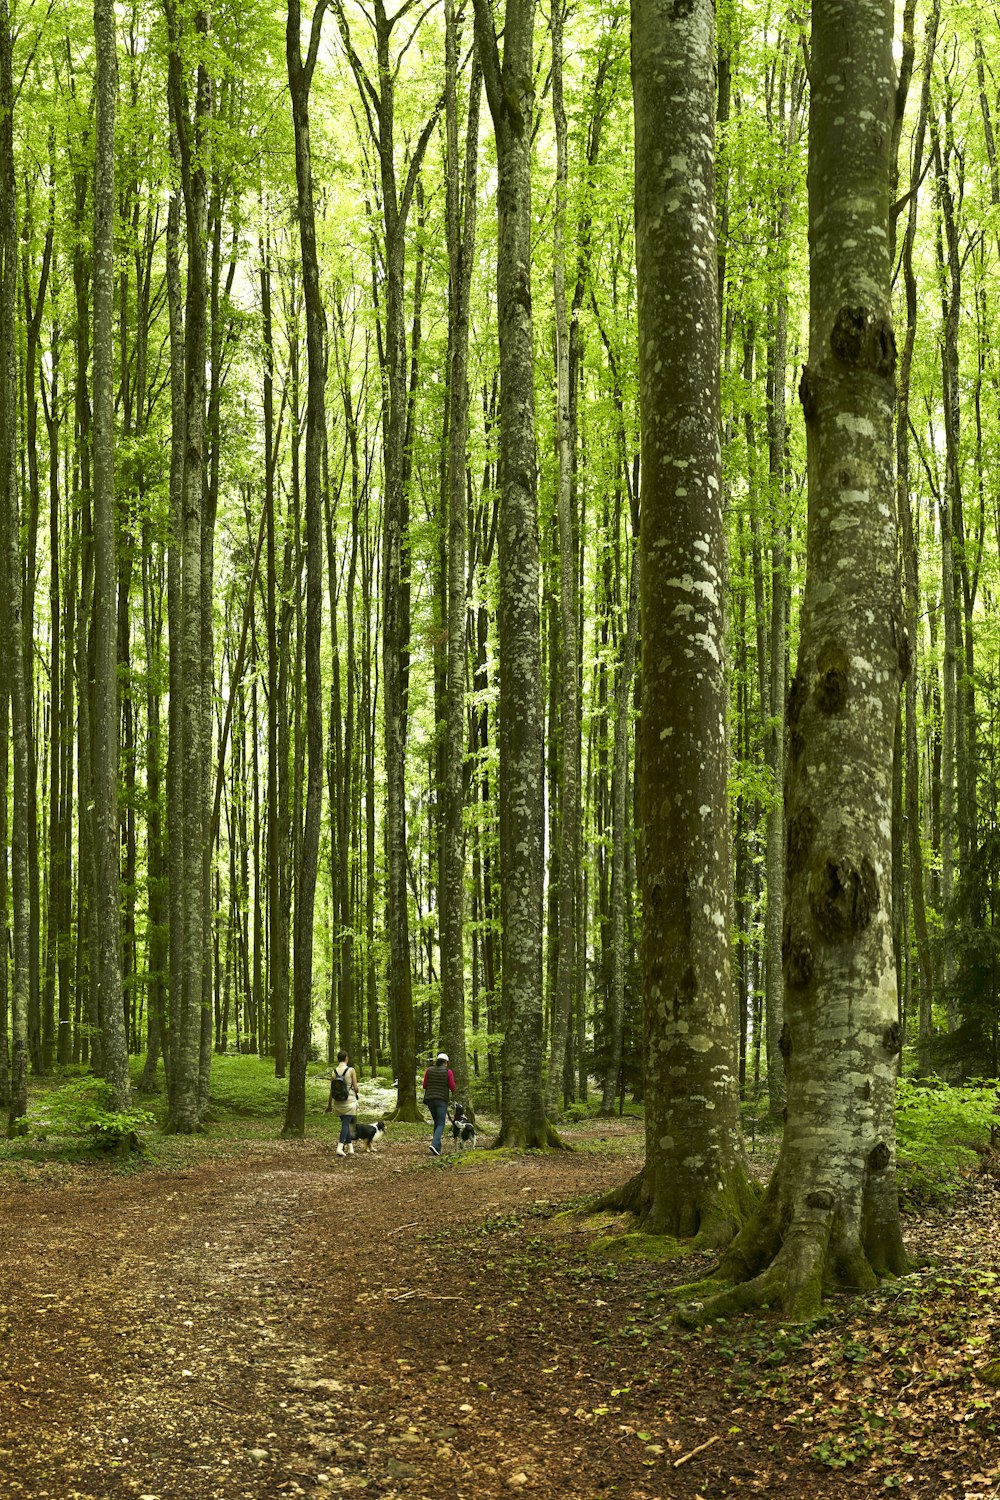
{"x":940,"y":1131}
{"x":582,"y":1109}
{"x":82,"y":1107}
{"x":245,"y":1086}
{"x":973,"y":938}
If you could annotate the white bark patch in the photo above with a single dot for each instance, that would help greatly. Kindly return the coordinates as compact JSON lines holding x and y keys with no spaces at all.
{"x":689,"y":585}
{"x":858,"y":426}
{"x":709,"y":645}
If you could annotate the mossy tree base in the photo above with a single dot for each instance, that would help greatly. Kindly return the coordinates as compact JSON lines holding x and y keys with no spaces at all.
{"x":708,"y":1222}
{"x":184,"y":1127}
{"x":408,"y":1113}
{"x":544,"y":1137}
{"x":789,"y":1265}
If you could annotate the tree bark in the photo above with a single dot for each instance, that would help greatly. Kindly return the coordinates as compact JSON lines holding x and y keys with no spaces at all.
{"x":829,"y":1217}
{"x":461,"y":242}
{"x":299,"y":81}
{"x":10,"y":591}
{"x":694,"y":1181}
{"x":911,"y":587}
{"x":192,"y":759}
{"x":569,"y":788}
{"x":510,"y":92}
{"x":105,"y":624}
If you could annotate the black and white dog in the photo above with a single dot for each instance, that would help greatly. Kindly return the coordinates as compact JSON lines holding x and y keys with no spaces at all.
{"x":462,"y":1129}
{"x":367,"y":1135}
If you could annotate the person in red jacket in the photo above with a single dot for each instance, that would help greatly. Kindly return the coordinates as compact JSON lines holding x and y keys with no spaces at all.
{"x":439,"y":1085}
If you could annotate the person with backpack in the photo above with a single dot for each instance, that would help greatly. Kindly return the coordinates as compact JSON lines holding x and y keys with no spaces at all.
{"x":344,"y":1101}
{"x":439,"y":1084}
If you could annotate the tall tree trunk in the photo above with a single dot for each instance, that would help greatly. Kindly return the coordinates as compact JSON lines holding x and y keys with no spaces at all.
{"x":105,"y":624}
{"x":157,"y":930}
{"x":510,"y":92}
{"x":830,"y":1216}
{"x":299,"y":81}
{"x":380,"y":103}
{"x":569,"y":789}
{"x":175,"y":769}
{"x":694,"y":1181}
{"x":10,"y":591}
{"x":911,"y":587}
{"x":39,"y":1027}
{"x":461,"y":242}
{"x":192,"y":135}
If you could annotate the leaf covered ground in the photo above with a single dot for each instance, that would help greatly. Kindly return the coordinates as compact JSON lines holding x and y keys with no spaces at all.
{"x":248,"y":1319}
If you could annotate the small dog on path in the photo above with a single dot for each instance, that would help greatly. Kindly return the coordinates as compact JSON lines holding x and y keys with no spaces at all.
{"x":367,"y":1135}
{"x":463,"y":1131}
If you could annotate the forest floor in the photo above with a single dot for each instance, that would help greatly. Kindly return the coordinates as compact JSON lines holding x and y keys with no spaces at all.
{"x":247,"y":1319}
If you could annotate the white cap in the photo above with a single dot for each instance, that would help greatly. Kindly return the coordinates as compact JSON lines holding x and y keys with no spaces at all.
{"x":442,"y":1057}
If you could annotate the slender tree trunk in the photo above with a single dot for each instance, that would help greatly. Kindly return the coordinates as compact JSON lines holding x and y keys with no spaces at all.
{"x":299,"y":80}
{"x":175,"y":775}
{"x":397,"y":199}
{"x":510,"y":91}
{"x":157,"y":930}
{"x":10,"y":592}
{"x":192,"y":761}
{"x":911,"y":588}
{"x":569,"y":789}
{"x":461,"y":243}
{"x":619,"y":814}
{"x":106,"y":726}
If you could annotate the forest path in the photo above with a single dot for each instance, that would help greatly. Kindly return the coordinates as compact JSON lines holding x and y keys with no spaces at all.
{"x":280,"y":1322}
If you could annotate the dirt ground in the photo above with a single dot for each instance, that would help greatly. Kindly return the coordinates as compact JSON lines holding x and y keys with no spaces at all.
{"x":272,"y":1321}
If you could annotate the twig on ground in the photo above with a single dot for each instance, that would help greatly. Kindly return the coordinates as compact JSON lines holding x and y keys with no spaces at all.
{"x":700,"y":1449}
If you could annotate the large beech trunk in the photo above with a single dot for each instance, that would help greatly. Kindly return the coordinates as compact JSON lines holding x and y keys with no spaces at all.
{"x":830,"y":1217}
{"x":694,"y":1181}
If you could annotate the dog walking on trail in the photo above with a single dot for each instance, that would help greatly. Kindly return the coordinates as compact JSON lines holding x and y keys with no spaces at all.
{"x":463,"y":1131}
{"x":344,"y":1101}
{"x":439,"y":1085}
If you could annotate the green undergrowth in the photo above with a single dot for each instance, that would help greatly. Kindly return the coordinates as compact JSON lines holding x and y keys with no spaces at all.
{"x":244,"y":1087}
{"x":943,"y":1133}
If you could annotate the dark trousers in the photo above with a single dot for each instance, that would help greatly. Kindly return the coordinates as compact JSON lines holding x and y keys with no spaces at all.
{"x":439,"y":1114}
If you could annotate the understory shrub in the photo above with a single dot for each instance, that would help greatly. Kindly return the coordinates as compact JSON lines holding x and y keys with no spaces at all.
{"x":82,"y":1107}
{"x":941,"y":1133}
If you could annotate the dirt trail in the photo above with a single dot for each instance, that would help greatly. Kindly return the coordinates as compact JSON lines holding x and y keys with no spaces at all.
{"x":286,"y":1324}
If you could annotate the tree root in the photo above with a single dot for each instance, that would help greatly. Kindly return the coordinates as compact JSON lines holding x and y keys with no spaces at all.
{"x":408,"y":1114}
{"x":720,"y":1218}
{"x":792,"y":1281}
{"x":546,"y":1138}
{"x":631,"y":1197}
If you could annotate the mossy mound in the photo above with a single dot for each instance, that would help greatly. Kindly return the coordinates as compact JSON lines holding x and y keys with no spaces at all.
{"x":636,"y":1246}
